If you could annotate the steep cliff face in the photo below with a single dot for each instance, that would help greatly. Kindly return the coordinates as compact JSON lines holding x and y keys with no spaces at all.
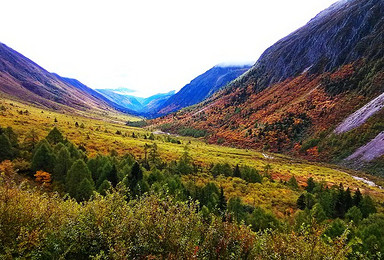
{"x":341,"y":34}
{"x":302,"y":88}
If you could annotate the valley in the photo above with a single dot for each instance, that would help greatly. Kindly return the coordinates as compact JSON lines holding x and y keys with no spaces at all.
{"x":96,"y":132}
{"x":283,"y":159}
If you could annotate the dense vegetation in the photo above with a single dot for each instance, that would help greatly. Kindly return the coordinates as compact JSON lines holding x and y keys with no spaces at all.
{"x":143,"y":207}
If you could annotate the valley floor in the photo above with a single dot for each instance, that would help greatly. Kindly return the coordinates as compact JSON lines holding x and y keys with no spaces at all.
{"x":99,"y":135}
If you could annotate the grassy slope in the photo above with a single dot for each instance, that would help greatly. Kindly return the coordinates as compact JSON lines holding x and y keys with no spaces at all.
{"x":99,"y":136}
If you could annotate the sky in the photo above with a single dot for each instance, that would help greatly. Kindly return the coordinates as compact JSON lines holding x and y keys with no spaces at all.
{"x":149,"y":46}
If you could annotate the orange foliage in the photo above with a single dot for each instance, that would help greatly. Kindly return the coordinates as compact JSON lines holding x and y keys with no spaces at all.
{"x":313,"y":152}
{"x":43,"y":178}
{"x":237,"y":116}
{"x":6,"y":167}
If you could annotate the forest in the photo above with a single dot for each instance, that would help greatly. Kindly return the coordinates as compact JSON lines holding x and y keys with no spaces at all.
{"x":56,"y":201}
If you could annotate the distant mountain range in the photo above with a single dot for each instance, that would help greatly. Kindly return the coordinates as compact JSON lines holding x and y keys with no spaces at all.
{"x":202,"y":87}
{"x":143,"y":106}
{"x":317,"y":93}
{"x":196,"y":91}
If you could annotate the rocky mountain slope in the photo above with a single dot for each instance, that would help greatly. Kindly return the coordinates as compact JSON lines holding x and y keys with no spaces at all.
{"x":22,"y":79}
{"x":302,"y":88}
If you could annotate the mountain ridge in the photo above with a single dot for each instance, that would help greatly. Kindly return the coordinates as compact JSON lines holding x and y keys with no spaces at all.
{"x":301,"y":88}
{"x":25,"y":80}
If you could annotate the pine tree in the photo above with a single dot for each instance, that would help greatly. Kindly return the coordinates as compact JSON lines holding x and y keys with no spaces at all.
{"x":136,"y":176}
{"x":31,"y":140}
{"x":236,"y":208}
{"x":63,"y":165}
{"x":367,"y":206}
{"x":112,"y":176}
{"x":184,"y":164}
{"x":5,"y":148}
{"x":154,"y":157}
{"x":301,"y":202}
{"x":357,"y":197}
{"x":85,"y":190}
{"x":348,"y":199}
{"x":354,"y":214}
{"x":310,"y":184}
{"x":75,"y":153}
{"x":54,"y":136}
{"x":43,"y":159}
{"x":293,"y":183}
{"x":222,"y":202}
{"x":106,"y":185}
{"x":236,"y":172}
{"x":12,"y":137}
{"x":75,"y":176}
{"x":340,"y":207}
{"x":318,"y":213}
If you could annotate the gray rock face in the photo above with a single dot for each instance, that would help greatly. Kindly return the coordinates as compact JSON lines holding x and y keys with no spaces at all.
{"x":343,"y":33}
{"x":360,"y":116}
{"x":370,"y":151}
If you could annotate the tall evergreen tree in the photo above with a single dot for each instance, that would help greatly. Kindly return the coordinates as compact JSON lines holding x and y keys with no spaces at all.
{"x":31,"y":140}
{"x":12,"y":136}
{"x":5,"y":148}
{"x":184,"y":165}
{"x":340,"y":207}
{"x":63,"y":164}
{"x":367,"y":206}
{"x":236,"y":208}
{"x":106,"y":185}
{"x":301,"y":202}
{"x":222,"y":203}
{"x":43,"y":159}
{"x":348,"y":199}
{"x":310,"y":184}
{"x":112,"y":176}
{"x":54,"y":136}
{"x":236,"y":172}
{"x":136,"y":176}
{"x":154,"y":157}
{"x":85,"y":190}
{"x":357,"y":197}
{"x":75,"y":176}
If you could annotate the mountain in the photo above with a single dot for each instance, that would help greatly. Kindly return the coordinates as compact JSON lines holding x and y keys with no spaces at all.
{"x":129,"y":102}
{"x":196,"y":91}
{"x":143,"y":106}
{"x":302,"y":88}
{"x":202,"y":87}
{"x":22,"y":79}
{"x":153,"y":103}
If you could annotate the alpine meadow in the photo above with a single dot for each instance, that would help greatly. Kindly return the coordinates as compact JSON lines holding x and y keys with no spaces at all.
{"x":281,"y":159}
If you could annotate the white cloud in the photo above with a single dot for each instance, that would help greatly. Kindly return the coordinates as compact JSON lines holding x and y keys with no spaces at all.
{"x":150,"y":46}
